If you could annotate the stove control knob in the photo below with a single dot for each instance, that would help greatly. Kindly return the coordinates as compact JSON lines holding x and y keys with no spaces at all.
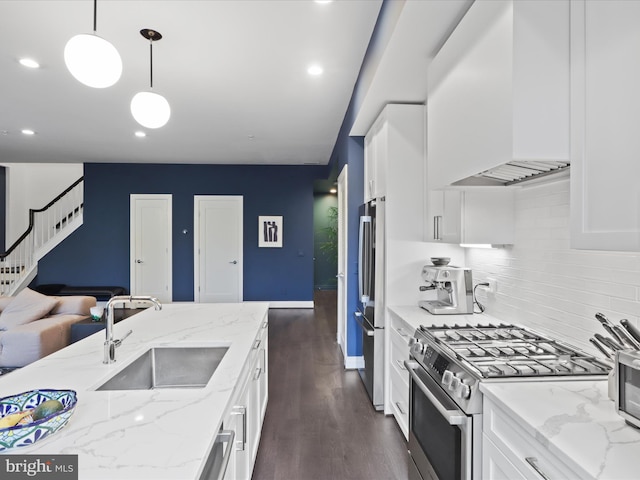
{"x":455,"y":384}
{"x":418,"y":348}
{"x":463,"y":391}
{"x":447,"y":377}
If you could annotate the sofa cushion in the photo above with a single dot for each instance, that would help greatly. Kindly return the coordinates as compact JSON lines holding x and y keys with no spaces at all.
{"x":75,"y":305}
{"x":26,"y":307}
{"x":4,"y":301}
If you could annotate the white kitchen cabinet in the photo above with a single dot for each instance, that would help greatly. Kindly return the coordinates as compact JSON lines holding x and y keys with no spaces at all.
{"x":246,"y":414}
{"x":375,"y":152}
{"x":495,"y":465}
{"x":605,"y":114}
{"x":498,"y":89}
{"x":483,"y":215}
{"x":510,"y":452}
{"x":395,"y":169}
{"x":398,"y":386}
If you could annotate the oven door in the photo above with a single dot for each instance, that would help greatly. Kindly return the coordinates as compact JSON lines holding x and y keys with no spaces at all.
{"x":440,"y":434}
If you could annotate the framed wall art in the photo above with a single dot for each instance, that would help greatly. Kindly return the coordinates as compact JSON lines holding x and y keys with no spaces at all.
{"x":270,"y":231}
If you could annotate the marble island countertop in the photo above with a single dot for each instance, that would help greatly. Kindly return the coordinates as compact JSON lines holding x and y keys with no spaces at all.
{"x":576,"y":421}
{"x":144,"y":434}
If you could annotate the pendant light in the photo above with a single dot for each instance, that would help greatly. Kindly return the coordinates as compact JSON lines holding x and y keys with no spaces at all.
{"x":150,"y":109}
{"x":91,"y":59}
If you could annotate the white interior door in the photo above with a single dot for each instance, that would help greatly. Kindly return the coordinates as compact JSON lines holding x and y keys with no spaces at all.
{"x":151,"y":247}
{"x":342,"y":261}
{"x":218,"y":248}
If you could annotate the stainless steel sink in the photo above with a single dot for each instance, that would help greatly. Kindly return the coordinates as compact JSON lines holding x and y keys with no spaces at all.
{"x":168,"y":367}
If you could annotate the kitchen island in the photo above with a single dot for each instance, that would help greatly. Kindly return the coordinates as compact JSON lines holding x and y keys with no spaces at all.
{"x":150,"y":434}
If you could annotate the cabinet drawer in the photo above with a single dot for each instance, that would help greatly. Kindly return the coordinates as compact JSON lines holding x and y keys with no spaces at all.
{"x":399,"y":353}
{"x":495,"y":466}
{"x":400,"y":402}
{"x":522,"y":450}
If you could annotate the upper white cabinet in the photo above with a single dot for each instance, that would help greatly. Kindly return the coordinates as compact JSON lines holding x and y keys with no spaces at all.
{"x":395,"y":169}
{"x":474,"y":216}
{"x":605,"y":116}
{"x":498,"y":90}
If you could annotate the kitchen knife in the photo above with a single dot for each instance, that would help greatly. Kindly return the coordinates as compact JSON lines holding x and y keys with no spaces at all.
{"x":608,"y":326}
{"x":628,"y":339}
{"x":608,"y":342}
{"x":629,"y":327}
{"x":600,"y":347}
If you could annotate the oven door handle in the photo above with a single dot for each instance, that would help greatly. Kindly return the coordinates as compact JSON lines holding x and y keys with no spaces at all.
{"x":454,"y":417}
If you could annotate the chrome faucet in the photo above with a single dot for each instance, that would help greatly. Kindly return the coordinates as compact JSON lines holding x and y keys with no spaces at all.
{"x":110,"y":344}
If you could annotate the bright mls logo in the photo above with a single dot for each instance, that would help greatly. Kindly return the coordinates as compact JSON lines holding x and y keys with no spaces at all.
{"x":19,"y":467}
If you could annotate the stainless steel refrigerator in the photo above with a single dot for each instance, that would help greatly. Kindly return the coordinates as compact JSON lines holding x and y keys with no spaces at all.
{"x":371,"y":321}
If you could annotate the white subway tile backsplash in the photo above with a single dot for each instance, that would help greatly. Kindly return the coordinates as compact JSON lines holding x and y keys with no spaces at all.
{"x":545,"y":284}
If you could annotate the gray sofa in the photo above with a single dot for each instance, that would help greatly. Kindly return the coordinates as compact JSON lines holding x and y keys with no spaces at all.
{"x":33,"y":325}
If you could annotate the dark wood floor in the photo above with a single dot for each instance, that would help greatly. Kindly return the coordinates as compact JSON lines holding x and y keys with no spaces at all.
{"x":319,"y":422}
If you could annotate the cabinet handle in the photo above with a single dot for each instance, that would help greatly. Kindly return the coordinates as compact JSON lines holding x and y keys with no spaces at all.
{"x":256,"y":376}
{"x":437,"y":223}
{"x":242,"y":441}
{"x":256,"y":344}
{"x":225,"y":436}
{"x":400,"y":409}
{"x":265,"y":324}
{"x":533,"y":461}
{"x":401,"y":364}
{"x":401,"y":332}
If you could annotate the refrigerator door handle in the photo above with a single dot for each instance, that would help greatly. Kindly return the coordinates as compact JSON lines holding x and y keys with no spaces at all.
{"x":359,"y":318}
{"x":364,"y":264}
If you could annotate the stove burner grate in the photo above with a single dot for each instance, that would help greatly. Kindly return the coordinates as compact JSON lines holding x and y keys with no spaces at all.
{"x":506,"y":350}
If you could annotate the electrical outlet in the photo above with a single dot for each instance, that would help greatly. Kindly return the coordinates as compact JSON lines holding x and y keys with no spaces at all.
{"x":493,"y":285}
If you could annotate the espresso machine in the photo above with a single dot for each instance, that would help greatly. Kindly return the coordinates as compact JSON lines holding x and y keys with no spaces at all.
{"x":454,"y":287}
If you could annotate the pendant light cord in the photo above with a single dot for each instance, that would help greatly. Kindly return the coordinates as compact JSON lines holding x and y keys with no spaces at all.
{"x":95,"y":16}
{"x":151,"y":62}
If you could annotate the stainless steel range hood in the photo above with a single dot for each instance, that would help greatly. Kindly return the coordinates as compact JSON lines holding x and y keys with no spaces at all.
{"x":515,"y":172}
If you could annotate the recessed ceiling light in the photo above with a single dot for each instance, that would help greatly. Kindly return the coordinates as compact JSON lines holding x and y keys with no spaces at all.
{"x":28,"y":131}
{"x":315,"y":70}
{"x":29,"y":63}
{"x":140,"y":134}
{"x":324,"y":1}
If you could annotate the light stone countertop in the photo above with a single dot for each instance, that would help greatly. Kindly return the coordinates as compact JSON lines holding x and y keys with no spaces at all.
{"x":150,"y":434}
{"x":415,"y":316}
{"x":574,"y":419}
{"x":577,"y":422}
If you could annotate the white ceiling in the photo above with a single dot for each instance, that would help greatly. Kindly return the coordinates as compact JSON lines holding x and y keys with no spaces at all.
{"x":234,"y":73}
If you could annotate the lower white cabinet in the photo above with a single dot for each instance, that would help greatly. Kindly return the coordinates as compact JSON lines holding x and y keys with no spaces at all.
{"x":509,"y":452}
{"x":398,"y":384}
{"x":246,"y":415}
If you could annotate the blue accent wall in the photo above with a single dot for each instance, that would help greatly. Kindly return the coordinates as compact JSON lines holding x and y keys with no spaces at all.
{"x":97,"y":254}
{"x":350,"y":151}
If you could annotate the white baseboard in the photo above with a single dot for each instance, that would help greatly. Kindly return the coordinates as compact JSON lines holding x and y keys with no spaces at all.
{"x":353,"y":363}
{"x":292,"y":304}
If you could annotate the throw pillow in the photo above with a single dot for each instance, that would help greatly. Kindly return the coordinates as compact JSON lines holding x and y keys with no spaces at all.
{"x":26,"y":307}
{"x":74,"y":305}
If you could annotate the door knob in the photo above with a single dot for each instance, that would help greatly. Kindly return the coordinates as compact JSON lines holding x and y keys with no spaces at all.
{"x":234,"y":262}
{"x":139,"y":261}
{"x":340,"y":275}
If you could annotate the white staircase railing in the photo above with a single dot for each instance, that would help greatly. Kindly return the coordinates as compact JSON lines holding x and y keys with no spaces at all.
{"x":48,"y":226}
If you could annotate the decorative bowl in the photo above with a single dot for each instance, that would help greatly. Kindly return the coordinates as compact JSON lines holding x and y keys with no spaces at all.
{"x":28,"y":434}
{"x":440,"y":261}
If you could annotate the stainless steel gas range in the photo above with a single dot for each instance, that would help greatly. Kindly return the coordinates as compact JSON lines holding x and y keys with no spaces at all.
{"x":447,"y":365}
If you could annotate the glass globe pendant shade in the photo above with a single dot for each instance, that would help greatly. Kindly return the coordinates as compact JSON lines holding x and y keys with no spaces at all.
{"x":93,"y":61}
{"x":150,"y":109}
